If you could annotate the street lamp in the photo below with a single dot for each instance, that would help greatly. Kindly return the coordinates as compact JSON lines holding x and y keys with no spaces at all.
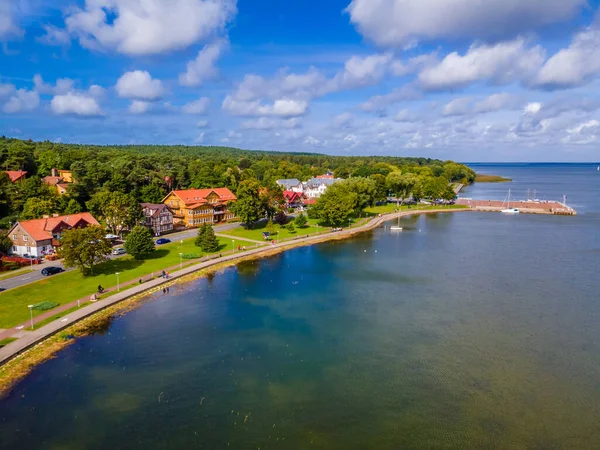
{"x":233,"y":245}
{"x":31,"y":264}
{"x":181,"y":260}
{"x":31,"y":314}
{"x":118,"y":285}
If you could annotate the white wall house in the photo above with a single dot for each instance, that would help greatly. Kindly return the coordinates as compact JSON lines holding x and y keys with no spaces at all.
{"x":291,"y":184}
{"x":315,"y":187}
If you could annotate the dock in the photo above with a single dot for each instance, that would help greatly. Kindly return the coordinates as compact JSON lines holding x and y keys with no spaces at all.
{"x":524,"y":207}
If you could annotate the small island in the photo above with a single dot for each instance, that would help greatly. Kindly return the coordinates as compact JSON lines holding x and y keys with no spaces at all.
{"x":483,"y":178}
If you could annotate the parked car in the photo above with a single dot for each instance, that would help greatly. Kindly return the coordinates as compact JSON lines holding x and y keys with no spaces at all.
{"x":119,"y":251}
{"x":163,"y":241}
{"x":52,"y":270}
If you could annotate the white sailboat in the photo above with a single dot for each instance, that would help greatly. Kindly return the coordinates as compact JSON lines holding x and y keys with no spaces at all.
{"x":508,"y":209}
{"x":396,"y":227}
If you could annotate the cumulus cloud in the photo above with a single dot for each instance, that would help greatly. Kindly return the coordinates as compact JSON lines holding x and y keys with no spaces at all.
{"x":55,"y":36}
{"x":22,"y":100}
{"x":500,"y":64}
{"x":203,"y":67}
{"x":77,"y":104}
{"x":196,"y":107}
{"x":9,"y":27}
{"x":281,"y":107}
{"x":264,"y":123}
{"x":6,"y":89}
{"x":139,"y":107}
{"x":202,"y":124}
{"x":457,"y":107}
{"x":401,"y":22}
{"x":363,"y":71}
{"x":408,"y":92}
{"x":139,"y":85}
{"x":62,"y":85}
{"x":575,"y":65}
{"x":497,"y":102}
{"x":145,"y":27}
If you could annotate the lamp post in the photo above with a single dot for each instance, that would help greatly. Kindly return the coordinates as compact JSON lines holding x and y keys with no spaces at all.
{"x":31,"y":314}
{"x":118,"y":285}
{"x":181,"y":260}
{"x":233,"y":245}
{"x":31,"y":264}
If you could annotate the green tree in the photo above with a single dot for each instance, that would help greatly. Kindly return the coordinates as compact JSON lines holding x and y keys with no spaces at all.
{"x":5,"y":243}
{"x":36,"y":208}
{"x":300,"y":221}
{"x":364,"y":188}
{"x":119,"y":211}
{"x":335,"y":206}
{"x":270,"y":227}
{"x":139,"y":242}
{"x":84,"y":248}
{"x":206,"y":239}
{"x":434,"y":187}
{"x":290,"y":227}
{"x":72,"y":207}
{"x":248,"y":206}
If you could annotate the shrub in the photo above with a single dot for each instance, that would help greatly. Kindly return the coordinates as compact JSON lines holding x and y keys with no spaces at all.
{"x":45,"y":306}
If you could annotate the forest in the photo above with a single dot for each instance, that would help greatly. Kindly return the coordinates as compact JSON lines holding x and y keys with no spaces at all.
{"x":146,"y":173}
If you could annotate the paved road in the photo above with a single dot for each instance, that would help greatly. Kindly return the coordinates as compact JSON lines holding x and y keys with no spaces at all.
{"x":35,"y":275}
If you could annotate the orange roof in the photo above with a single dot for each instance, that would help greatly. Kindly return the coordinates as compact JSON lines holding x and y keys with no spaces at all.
{"x":41,"y":229}
{"x":198,"y":196}
{"x":16,"y":175}
{"x":52,"y":181}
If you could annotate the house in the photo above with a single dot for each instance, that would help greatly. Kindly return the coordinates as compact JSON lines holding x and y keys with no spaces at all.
{"x":315,"y":187}
{"x":159,"y":218}
{"x":58,"y":180}
{"x":293,"y":199}
{"x":291,"y":184}
{"x":39,"y":237}
{"x":326,"y":176}
{"x":194,"y":207}
{"x":16,"y":175}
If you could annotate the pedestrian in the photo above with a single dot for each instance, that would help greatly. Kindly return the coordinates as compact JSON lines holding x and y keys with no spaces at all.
{"x":167,"y":289}
{"x":164,"y":290}
{"x":167,"y":274}
{"x":163,"y":274}
{"x":140,"y":281}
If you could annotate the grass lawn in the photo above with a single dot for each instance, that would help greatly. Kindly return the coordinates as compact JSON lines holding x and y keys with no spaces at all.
{"x":392,"y":207}
{"x":7,"y":341}
{"x":256,"y":231}
{"x":70,"y":286}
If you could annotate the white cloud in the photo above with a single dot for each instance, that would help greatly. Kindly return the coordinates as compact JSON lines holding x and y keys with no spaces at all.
{"x":575,"y":65}
{"x":74,"y":103}
{"x":500,"y":63}
{"x":144,"y":27}
{"x":9,"y":26}
{"x":139,"y":85}
{"x":264,"y":123}
{"x":280,"y":107}
{"x":55,"y":36}
{"x":401,"y":22}
{"x":457,"y":107}
{"x":6,"y":90}
{"x":408,"y":92}
{"x":496,"y":102}
{"x":196,"y":107}
{"x":62,"y":85}
{"x":202,"y":124}
{"x":406,"y":115}
{"x":203,"y":67}
{"x":139,"y":107}
{"x":532,"y":108}
{"x":22,"y":100}
{"x":363,"y":71}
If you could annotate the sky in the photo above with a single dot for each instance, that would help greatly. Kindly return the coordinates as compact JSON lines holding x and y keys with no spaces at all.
{"x":469,"y":80}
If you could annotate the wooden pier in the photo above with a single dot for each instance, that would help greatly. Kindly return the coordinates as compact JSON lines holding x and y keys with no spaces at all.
{"x":524,"y":207}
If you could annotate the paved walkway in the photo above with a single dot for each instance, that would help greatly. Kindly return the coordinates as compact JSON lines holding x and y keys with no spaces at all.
{"x":240,"y":239}
{"x":27,"y":339}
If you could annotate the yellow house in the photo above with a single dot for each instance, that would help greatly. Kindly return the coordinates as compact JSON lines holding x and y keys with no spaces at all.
{"x":194,"y":207}
{"x":66,"y":175}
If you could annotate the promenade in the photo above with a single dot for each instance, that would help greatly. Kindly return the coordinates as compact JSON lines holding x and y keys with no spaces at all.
{"x":27,"y":339}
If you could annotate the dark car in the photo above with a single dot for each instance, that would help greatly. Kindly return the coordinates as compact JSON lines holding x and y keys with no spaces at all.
{"x":52,"y":270}
{"x":163,"y":241}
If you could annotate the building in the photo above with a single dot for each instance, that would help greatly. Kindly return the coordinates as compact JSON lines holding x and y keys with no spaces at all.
{"x":59,"y":180}
{"x":291,"y":184}
{"x":39,"y":237}
{"x":16,"y":175}
{"x":293,"y":199}
{"x":315,"y":187}
{"x":327,"y":176}
{"x":194,"y":207}
{"x":159,"y":218}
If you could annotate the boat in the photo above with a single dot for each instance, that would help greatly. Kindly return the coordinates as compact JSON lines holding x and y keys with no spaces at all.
{"x":396,"y":227}
{"x":508,"y":209}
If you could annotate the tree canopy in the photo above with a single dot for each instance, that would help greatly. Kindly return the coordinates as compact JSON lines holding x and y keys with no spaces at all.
{"x":84,"y":248}
{"x":139,"y":242}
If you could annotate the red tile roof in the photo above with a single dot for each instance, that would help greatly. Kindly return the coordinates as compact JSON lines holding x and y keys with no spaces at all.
{"x":198,"y":196}
{"x":292,"y":196}
{"x":41,"y":229}
{"x":16,"y":175}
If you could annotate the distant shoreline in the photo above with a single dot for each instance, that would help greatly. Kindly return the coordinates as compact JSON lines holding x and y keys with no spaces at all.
{"x":483,"y":178}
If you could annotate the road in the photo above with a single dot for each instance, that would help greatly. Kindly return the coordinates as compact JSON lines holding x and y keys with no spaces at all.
{"x":36,"y":275}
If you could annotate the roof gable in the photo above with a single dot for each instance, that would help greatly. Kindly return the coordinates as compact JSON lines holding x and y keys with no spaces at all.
{"x":41,"y":229}
{"x":196,"y":196}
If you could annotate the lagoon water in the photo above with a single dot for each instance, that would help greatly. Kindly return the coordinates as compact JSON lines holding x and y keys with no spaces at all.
{"x":465,"y":331}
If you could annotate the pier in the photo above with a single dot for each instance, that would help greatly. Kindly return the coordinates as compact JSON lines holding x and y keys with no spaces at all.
{"x":524,"y":207}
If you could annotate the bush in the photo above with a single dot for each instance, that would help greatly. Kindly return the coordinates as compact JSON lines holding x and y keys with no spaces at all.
{"x":280,"y":218}
{"x":191,"y":255}
{"x":300,"y":221}
{"x":45,"y":306}
{"x":290,"y":227}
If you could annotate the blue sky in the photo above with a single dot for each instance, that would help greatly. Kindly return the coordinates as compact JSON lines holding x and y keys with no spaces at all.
{"x":500,"y":80}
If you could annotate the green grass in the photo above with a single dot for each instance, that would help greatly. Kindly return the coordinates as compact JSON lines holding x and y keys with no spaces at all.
{"x":45,"y":306}
{"x":70,"y":286}
{"x":482,"y":178}
{"x":255,"y":233}
{"x":7,"y":341}
{"x":58,"y":316}
{"x":392,"y":207}
{"x":14,"y":273}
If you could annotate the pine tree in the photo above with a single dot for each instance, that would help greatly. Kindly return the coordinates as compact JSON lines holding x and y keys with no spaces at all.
{"x":210,"y":242}
{"x":200,"y":238}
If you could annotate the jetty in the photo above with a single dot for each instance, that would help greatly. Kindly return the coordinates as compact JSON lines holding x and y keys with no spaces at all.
{"x":524,"y":206}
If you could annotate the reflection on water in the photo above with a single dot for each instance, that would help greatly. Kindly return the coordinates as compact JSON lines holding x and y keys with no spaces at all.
{"x":470,"y":331}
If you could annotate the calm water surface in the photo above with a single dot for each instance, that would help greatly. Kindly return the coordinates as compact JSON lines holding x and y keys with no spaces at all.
{"x":467,"y":330}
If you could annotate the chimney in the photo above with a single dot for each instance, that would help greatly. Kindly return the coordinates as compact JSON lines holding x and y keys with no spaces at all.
{"x":55,"y":215}
{"x":45,"y":216}
{"x":54,"y":172}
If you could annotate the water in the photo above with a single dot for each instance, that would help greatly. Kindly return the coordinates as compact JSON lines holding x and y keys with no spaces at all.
{"x":467,"y":330}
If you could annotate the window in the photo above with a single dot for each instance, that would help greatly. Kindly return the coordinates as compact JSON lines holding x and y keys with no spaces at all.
{"x":25,"y":238}
{"x":14,"y":248}
{"x":15,"y":237}
{"x":28,"y":249}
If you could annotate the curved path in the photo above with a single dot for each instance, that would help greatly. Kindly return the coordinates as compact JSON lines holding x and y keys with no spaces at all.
{"x":31,"y":338}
